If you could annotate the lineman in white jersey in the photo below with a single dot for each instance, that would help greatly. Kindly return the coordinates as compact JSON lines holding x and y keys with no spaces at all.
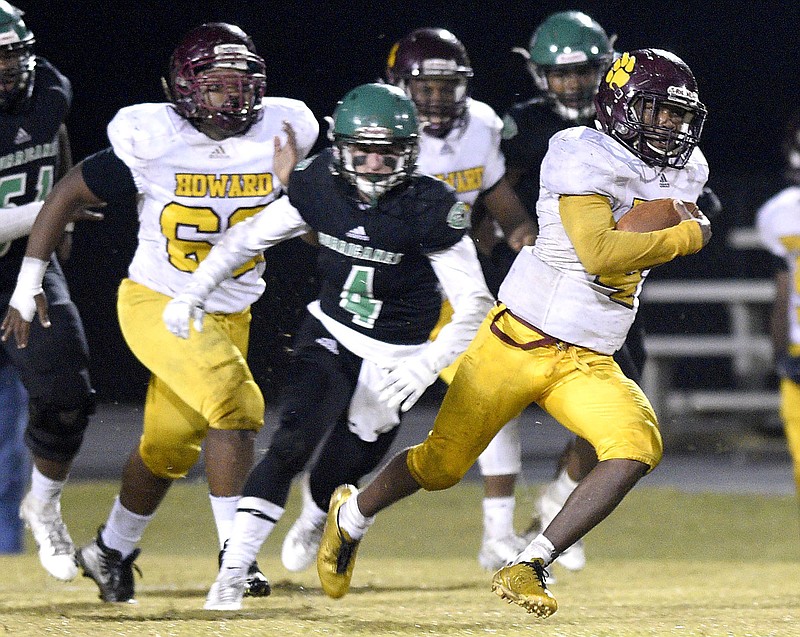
{"x":564,"y":309}
{"x":193,"y":167}
{"x":778,"y":223}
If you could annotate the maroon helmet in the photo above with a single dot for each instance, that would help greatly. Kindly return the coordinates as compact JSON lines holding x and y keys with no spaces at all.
{"x":432,"y":54}
{"x":217,"y":46}
{"x":646,"y":81}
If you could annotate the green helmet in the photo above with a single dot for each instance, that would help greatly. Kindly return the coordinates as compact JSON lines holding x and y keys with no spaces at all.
{"x":380,"y":116}
{"x":570,"y":40}
{"x":16,"y":42}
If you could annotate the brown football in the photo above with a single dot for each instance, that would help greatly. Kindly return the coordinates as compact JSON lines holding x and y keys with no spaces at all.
{"x":654,"y":215}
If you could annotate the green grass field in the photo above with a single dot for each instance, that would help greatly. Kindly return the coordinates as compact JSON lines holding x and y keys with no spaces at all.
{"x":665,"y":563}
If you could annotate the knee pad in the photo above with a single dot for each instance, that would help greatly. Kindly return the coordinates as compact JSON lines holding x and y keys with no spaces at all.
{"x":55,"y":432}
{"x":291,"y":449}
{"x":433,"y":469}
{"x":503,"y":456}
{"x":171,"y":462}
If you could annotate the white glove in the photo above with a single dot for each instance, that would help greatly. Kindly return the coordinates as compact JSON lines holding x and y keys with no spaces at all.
{"x":182,"y":309}
{"x":29,"y":285}
{"x":406,"y":381}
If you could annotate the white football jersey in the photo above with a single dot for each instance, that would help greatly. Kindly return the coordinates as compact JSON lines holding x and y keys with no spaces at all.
{"x":192,"y":188}
{"x":778,"y":224}
{"x":469,"y":157}
{"x":548,"y":285}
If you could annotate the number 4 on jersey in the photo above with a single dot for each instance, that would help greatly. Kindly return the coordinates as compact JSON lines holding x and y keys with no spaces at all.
{"x":358,"y":298}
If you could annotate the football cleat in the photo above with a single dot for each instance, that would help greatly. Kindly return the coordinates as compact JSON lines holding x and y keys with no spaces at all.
{"x":227,"y":591}
{"x":56,"y":549}
{"x":337,"y":551}
{"x":497,"y":552}
{"x":257,"y":583}
{"x":112,"y":574}
{"x":301,"y":543}
{"x":524,"y":584}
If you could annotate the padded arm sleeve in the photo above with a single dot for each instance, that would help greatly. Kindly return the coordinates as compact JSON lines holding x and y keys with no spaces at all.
{"x":602,"y":249}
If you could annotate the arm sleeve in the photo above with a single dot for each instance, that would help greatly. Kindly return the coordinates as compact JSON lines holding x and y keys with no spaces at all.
{"x":17,"y":221}
{"x":109,"y":178}
{"x":460,"y":276}
{"x":275,"y":223}
{"x":589,"y":224}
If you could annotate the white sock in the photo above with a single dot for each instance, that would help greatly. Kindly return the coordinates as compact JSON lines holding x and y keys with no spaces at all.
{"x":45,"y":489}
{"x":255,"y":518}
{"x":352,"y":521}
{"x":498,"y":517}
{"x":539,"y":547}
{"x":561,"y":488}
{"x":312,"y":513}
{"x":224,"y":509}
{"x":124,"y":529}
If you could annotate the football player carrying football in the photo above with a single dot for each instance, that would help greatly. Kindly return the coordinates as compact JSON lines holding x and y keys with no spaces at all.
{"x":778,"y":223}
{"x":35,"y":99}
{"x":205,"y":161}
{"x":564,"y":309}
{"x":459,"y":142}
{"x":388,"y":239}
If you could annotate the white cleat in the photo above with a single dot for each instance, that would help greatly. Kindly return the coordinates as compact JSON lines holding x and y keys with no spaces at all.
{"x":574,"y":558}
{"x":300,"y":546}
{"x":226,"y":592}
{"x":56,"y":549}
{"x":497,"y":552}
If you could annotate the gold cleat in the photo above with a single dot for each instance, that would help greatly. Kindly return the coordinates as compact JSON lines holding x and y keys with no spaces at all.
{"x":337,"y":552}
{"x":524,"y":584}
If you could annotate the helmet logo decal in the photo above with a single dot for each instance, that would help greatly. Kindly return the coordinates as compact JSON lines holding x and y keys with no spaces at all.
{"x":392,"y":56}
{"x":459,"y":216}
{"x":619,"y":73}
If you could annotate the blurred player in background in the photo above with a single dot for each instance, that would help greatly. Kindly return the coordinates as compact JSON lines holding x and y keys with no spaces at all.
{"x":565,"y":308}
{"x":203,"y":162}
{"x":778,"y":224}
{"x":35,"y":99}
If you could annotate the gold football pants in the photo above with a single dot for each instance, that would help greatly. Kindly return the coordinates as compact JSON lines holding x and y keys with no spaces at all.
{"x":195,"y":383}
{"x":510,"y":365}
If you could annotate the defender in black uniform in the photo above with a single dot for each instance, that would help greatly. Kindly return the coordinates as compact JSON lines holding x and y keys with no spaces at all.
{"x":388,"y":240}
{"x":34,"y":152}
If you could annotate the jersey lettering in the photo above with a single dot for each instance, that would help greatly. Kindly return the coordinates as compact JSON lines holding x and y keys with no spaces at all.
{"x":357,"y":296}
{"x":212,"y":185}
{"x":188,"y":231}
{"x":15,"y":185}
{"x":464,"y":180}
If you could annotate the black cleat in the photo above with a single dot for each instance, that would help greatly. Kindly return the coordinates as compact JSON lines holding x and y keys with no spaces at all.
{"x":112,"y":574}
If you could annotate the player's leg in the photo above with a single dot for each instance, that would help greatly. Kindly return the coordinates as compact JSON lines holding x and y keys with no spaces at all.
{"x":500,"y":464}
{"x":14,"y":459}
{"x":473,"y":411}
{"x":197,"y":383}
{"x":345,"y":458}
{"x":54,"y":369}
{"x":322,"y":377}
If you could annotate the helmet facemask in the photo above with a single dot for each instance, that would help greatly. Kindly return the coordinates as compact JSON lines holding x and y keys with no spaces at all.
{"x":570,"y":87}
{"x":350,"y":153}
{"x":656,"y":141}
{"x":223,"y":90}
{"x":16,"y":76}
{"x":441,"y":101}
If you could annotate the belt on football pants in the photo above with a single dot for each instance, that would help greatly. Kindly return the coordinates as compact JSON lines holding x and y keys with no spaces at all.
{"x":540,"y":342}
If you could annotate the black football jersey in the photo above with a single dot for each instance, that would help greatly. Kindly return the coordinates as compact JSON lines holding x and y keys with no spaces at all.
{"x":535,"y":123}
{"x":373,"y":267}
{"x":29,"y":155}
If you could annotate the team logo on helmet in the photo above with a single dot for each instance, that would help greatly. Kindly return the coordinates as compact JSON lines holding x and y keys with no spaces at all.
{"x":620,"y":72}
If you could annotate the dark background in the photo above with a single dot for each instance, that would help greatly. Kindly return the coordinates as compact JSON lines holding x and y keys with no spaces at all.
{"x":745,"y":57}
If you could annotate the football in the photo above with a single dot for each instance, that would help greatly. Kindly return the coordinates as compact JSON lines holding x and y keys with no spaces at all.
{"x":655,"y":215}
